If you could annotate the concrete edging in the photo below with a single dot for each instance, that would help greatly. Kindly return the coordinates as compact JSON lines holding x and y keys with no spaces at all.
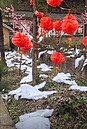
{"x":5,"y":119}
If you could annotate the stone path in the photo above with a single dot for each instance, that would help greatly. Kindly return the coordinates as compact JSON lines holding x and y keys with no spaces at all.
{"x":5,"y":120}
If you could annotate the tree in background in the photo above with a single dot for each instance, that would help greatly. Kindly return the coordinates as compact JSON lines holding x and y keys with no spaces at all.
{"x":68,"y":25}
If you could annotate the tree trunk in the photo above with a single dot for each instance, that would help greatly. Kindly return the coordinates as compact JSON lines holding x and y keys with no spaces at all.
{"x":1,"y":39}
{"x":85,"y":2}
{"x":34,"y":56}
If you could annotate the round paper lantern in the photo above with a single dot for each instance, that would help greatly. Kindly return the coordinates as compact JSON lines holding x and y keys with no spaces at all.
{"x":57,"y":58}
{"x":22,"y":41}
{"x":69,"y":16}
{"x":69,"y":26}
{"x":84,"y":41}
{"x":57,"y":25}
{"x":39,"y":14}
{"x":27,"y":46}
{"x":31,"y":2}
{"x":54,"y":3}
{"x":46,"y":23}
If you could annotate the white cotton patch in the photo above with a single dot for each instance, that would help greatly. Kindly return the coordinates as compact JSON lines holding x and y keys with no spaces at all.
{"x":31,"y":92}
{"x":35,"y":120}
{"x":34,"y":123}
{"x":27,"y":78}
{"x":45,"y":67}
{"x":80,"y":88}
{"x":40,"y":53}
{"x":78,"y":60}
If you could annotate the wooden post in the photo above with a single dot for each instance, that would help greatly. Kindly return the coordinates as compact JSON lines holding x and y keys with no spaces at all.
{"x":85,"y":24}
{"x":34,"y":56}
{"x":85,"y":29}
{"x":1,"y":39}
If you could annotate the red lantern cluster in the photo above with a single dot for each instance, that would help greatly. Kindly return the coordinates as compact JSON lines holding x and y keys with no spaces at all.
{"x":57,"y":25}
{"x":46,"y":23}
{"x":84,"y":41}
{"x":22,"y":41}
{"x":39,"y":14}
{"x":54,"y":3}
{"x":57,"y":58}
{"x":70,"y":24}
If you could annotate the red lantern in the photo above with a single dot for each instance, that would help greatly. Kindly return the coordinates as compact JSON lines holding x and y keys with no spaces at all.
{"x":46,"y":23}
{"x":39,"y":14}
{"x":31,"y":2}
{"x":84,"y":41}
{"x":57,"y":25}
{"x":69,"y":16}
{"x":22,"y":41}
{"x":54,"y":3}
{"x":27,"y":46}
{"x":69,"y":26}
{"x":57,"y":58}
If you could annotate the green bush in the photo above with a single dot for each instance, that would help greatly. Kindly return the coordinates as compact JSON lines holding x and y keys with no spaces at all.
{"x":4,"y":86}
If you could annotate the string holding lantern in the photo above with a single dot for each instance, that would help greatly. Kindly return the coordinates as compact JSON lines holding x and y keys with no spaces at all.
{"x":46,"y":23}
{"x":57,"y":58}
{"x":54,"y":3}
{"x":57,"y":25}
{"x":70,"y":24}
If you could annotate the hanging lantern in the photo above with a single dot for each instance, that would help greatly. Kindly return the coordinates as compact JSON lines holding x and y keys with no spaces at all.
{"x":54,"y":3}
{"x":69,"y":26}
{"x":57,"y":58}
{"x":28,"y":45}
{"x":84,"y":41}
{"x":46,"y":23}
{"x":69,"y":39}
{"x":31,"y":2}
{"x":22,"y":41}
{"x":57,"y":25}
{"x":39,"y":14}
{"x":69,"y":16}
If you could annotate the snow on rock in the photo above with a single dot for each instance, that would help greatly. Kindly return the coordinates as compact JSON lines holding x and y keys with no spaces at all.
{"x":35,"y":120}
{"x":29,"y":92}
